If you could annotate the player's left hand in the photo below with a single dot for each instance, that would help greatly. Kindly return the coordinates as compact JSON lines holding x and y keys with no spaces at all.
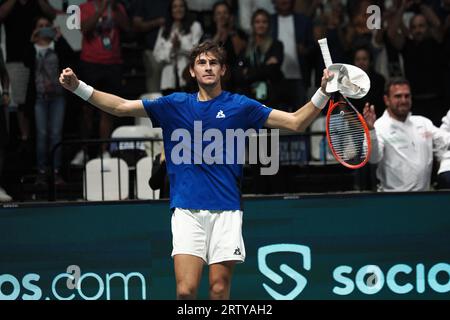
{"x":327,"y":76}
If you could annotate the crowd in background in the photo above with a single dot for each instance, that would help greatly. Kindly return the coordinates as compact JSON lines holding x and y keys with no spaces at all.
{"x":271,"y":46}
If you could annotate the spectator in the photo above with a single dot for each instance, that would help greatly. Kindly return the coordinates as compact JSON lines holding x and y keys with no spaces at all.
{"x":149,"y":17}
{"x":422,"y":52}
{"x":233,"y":40}
{"x":45,"y":56}
{"x":295,"y":32}
{"x":331,"y":26}
{"x":444,"y":168}
{"x":159,"y":179}
{"x":17,"y":16}
{"x":4,"y":197}
{"x":403,"y":144}
{"x":363,"y":58}
{"x":387,"y":60}
{"x":202,"y":12}
{"x":101,"y":61}
{"x":357,"y":33}
{"x":261,"y":77}
{"x":260,"y":67}
{"x":175,"y":40}
{"x":248,"y":7}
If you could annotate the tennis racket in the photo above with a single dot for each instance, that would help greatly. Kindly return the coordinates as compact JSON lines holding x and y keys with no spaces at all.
{"x":347,"y":132}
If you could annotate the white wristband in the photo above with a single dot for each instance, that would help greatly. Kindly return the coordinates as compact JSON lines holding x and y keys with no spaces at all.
{"x":320,"y":99}
{"x":84,"y":91}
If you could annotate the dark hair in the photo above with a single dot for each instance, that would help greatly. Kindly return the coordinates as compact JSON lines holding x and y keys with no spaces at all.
{"x":36,"y":20}
{"x":222,"y":3}
{"x":260,"y":12}
{"x":186,"y":23}
{"x":362,"y":48}
{"x":208,"y":46}
{"x":395,"y":82}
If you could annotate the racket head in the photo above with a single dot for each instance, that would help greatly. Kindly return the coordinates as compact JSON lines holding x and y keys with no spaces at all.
{"x":347,"y":132}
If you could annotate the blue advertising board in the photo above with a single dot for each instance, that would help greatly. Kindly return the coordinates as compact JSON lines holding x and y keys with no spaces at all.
{"x":350,"y":246}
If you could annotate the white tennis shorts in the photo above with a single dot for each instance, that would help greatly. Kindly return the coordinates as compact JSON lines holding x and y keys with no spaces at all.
{"x":214,"y":236}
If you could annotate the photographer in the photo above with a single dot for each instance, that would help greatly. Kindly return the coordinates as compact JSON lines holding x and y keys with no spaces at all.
{"x":47,"y":53}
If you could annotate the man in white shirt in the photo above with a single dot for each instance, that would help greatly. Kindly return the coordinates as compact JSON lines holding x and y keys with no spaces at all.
{"x":403,"y":144}
{"x":444,"y":168}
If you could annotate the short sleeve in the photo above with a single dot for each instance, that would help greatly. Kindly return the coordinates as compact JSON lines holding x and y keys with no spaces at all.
{"x":156,"y":110}
{"x":257,"y":113}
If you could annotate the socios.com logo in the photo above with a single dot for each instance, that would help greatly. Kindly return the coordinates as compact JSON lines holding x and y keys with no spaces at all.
{"x":299,"y":279}
{"x":73,"y":285}
{"x":369,"y":279}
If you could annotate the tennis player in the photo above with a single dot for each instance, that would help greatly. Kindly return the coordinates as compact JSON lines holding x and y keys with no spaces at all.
{"x":205,"y":199}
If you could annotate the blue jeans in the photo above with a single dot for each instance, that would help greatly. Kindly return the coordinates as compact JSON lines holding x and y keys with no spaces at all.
{"x":49,"y":114}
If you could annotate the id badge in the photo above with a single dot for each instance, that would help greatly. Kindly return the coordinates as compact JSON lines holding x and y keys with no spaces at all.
{"x":261,"y":91}
{"x":107,"y":43}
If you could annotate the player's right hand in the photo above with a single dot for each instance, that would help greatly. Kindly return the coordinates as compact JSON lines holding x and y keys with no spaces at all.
{"x":69,"y":80}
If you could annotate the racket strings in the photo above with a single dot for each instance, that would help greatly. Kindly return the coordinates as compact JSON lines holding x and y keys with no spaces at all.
{"x":347,"y":135}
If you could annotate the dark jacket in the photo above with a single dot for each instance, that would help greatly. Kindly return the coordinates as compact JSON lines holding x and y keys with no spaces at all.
{"x":66,"y":56}
{"x":259,"y":71}
{"x":160,"y":179}
{"x":303,"y":35}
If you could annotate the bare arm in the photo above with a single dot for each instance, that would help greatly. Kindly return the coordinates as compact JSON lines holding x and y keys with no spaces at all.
{"x":297,"y":121}
{"x":106,"y":102}
{"x":395,"y":24}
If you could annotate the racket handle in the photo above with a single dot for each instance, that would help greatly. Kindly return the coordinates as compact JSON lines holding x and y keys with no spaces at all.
{"x":323,"y":43}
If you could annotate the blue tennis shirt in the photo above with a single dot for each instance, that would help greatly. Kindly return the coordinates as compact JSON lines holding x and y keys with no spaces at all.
{"x":195,"y":139}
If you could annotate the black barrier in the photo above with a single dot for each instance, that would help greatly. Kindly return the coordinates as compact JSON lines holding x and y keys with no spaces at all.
{"x":294,"y":153}
{"x":347,"y":246}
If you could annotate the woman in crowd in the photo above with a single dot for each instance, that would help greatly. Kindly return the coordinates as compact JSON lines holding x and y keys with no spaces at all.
{"x":175,"y":40}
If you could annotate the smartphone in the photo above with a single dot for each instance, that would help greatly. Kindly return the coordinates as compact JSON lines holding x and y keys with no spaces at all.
{"x":48,"y":32}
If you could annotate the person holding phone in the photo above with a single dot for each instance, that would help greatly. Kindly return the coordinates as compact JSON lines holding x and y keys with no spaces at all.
{"x":47,"y":52}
